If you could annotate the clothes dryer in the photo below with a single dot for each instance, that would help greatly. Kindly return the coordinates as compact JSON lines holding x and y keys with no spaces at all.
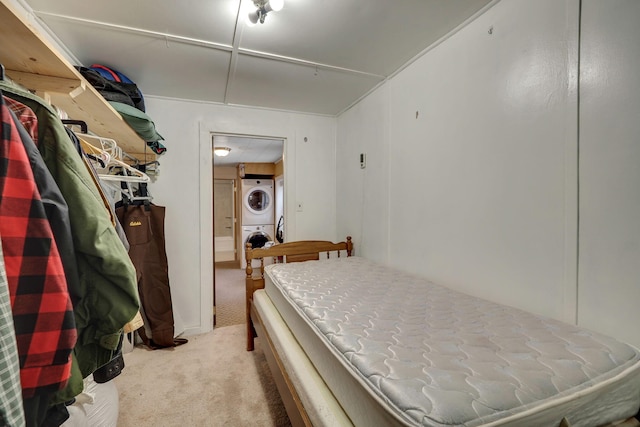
{"x":257,"y":202}
{"x":258,"y":236}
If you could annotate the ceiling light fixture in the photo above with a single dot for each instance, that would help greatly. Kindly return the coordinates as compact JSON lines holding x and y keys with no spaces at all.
{"x":264,"y":7}
{"x":221,"y":151}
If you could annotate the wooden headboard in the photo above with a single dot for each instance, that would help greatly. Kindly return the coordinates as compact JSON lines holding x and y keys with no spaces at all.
{"x":305,"y":250}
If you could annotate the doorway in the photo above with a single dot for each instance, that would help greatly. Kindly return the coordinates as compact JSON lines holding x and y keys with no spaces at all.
{"x":246,"y":159}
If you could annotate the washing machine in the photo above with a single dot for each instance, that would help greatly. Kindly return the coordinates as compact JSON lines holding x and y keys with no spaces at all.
{"x":257,"y":202}
{"x":258,"y":236}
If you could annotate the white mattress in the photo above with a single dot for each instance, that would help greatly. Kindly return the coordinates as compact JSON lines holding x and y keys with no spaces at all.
{"x":318,"y":401}
{"x":398,"y":350}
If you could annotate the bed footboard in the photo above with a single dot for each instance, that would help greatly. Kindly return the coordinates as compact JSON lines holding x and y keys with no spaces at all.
{"x":283,"y":253}
{"x":287,"y":252}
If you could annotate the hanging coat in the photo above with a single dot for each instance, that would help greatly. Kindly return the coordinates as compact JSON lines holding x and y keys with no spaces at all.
{"x":40,"y":303}
{"x":108,"y":296}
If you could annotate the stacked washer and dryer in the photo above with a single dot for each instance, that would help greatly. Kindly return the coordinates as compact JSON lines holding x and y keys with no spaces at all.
{"x":257,"y":214}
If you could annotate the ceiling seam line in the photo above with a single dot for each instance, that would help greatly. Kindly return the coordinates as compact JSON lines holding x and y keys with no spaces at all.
{"x":233,"y":61}
{"x":298,"y":61}
{"x":213,"y":45}
{"x":243,"y":106}
{"x":155,"y":34}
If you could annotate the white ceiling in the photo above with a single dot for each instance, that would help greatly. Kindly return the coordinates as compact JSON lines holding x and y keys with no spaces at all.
{"x":315,"y":56}
{"x":247,"y":149}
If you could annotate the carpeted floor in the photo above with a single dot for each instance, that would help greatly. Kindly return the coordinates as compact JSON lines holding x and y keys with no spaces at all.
{"x":210,"y":381}
{"x":230,"y":295}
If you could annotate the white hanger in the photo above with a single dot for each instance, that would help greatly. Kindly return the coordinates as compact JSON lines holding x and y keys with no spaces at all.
{"x":128,"y":193}
{"x":131,"y":174}
{"x":114,"y":182}
{"x":107,"y":145}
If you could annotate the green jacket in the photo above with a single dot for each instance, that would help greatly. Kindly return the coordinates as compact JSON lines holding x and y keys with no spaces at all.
{"x":107,"y":297}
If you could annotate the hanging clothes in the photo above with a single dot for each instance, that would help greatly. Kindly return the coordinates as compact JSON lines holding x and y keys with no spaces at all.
{"x":11,"y":409}
{"x":58,"y":217}
{"x":137,"y":321}
{"x":108,"y":296}
{"x":26,"y":116}
{"x":144,"y":227}
{"x":40,"y":303}
{"x":54,"y":204}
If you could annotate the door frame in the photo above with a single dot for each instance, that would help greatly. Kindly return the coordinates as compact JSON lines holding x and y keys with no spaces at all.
{"x":208,"y":258}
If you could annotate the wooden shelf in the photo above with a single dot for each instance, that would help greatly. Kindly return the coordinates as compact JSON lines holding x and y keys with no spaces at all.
{"x":31,"y":61}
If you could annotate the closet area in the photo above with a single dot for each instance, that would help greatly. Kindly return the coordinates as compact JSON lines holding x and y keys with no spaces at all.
{"x":69,"y":290}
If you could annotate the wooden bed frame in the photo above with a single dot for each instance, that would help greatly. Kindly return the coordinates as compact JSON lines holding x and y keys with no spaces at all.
{"x":286,"y":252}
{"x":298,"y":252}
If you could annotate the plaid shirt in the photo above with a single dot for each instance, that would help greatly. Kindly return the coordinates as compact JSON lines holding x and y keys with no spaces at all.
{"x":26,"y":116}
{"x":11,"y":409}
{"x":42,"y":311}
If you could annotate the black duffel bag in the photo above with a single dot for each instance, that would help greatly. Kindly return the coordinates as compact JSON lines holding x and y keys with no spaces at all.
{"x":126,"y":93}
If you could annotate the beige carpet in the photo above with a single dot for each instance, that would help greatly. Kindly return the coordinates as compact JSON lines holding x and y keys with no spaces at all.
{"x":210,"y":381}
{"x":230,"y":295}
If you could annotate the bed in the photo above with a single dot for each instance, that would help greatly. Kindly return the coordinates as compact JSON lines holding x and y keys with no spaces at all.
{"x":352,"y":342}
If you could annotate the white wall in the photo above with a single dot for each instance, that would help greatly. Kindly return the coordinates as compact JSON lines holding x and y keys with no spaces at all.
{"x":472,"y":160}
{"x":184,"y":186}
{"x":610,"y":169}
{"x":363,"y":194}
{"x":508,"y":164}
